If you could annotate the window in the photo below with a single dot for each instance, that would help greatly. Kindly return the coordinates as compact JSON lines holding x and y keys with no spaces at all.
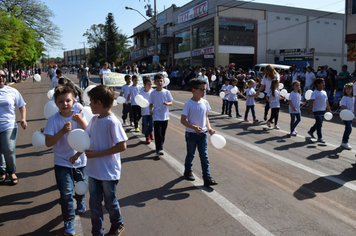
{"x":287,"y":18}
{"x":182,"y":42}
{"x":203,"y":35}
{"x":277,"y":17}
{"x":165,"y":29}
{"x":236,"y":33}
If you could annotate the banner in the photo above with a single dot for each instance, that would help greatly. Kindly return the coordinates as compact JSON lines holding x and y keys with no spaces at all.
{"x":117,"y":79}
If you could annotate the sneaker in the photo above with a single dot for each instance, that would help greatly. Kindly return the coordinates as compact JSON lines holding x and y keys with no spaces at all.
{"x":69,"y":228}
{"x":81,"y":208}
{"x":137,"y":129}
{"x":151,"y":136}
{"x":246,"y":120}
{"x":277,"y":127}
{"x":209,"y":182}
{"x":311,"y":134}
{"x":321,"y":140}
{"x":346,"y":146}
{"x":148,"y":141}
{"x":160,"y":153}
{"x":230,"y":116}
{"x":188,"y":175}
{"x":124,"y":122}
{"x":238,"y":116}
{"x":269,"y":124}
{"x":293,"y":133}
{"x":132,"y":124}
{"x":265,"y":118}
{"x":255,"y":120}
{"x":116,"y":230}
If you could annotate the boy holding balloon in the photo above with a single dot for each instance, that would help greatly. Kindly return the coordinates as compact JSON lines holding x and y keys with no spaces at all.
{"x":195,"y":119}
{"x":133,"y":91}
{"x":108,"y":139}
{"x":56,"y":132}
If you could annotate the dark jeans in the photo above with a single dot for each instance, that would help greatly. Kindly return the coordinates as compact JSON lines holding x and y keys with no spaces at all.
{"x":225,"y":106}
{"x":319,"y":118}
{"x":252,"y":111}
{"x":267,"y":106}
{"x":236,"y":107}
{"x":160,"y":128}
{"x":126,"y":109}
{"x":274,"y":115}
{"x":136,"y":114}
{"x":147,"y":125}
{"x":348,"y":130}
{"x":294,"y":121}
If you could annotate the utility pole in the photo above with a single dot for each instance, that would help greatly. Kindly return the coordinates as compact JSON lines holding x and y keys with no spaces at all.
{"x":85,"y":55}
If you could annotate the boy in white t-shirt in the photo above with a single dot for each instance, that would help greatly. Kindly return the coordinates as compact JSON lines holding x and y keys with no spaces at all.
{"x":126,"y":108}
{"x":250,"y":100}
{"x":159,"y":101}
{"x":54,"y":81}
{"x":107,"y":140}
{"x":133,"y":91}
{"x":225,"y":105}
{"x":195,"y":119}
{"x":232,"y":97}
{"x":56,"y":131}
{"x":147,"y":120}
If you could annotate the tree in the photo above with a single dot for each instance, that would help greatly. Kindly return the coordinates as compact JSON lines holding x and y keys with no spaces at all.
{"x":112,"y":38}
{"x":123,"y":47}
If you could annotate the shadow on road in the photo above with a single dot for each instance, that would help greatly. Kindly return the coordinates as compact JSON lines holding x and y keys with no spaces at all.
{"x":47,"y":229}
{"x":37,"y":154}
{"x":332,"y":154}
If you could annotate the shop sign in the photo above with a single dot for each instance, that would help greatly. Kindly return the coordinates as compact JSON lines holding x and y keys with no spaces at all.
{"x":137,"y":54}
{"x":203,"y":51}
{"x":208,"y":56}
{"x":197,"y":11}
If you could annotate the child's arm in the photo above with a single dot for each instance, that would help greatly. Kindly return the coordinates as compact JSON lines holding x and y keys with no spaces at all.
{"x":184,"y":121}
{"x":75,"y":157}
{"x":210,"y":130}
{"x":53,"y":139}
{"x":151,"y":107}
{"x":310,"y":106}
{"x":79,"y":119}
{"x":119,"y":147}
{"x":343,"y":107}
{"x":128,"y":98}
{"x":240,"y":94}
{"x":267,"y":99}
{"x":327,"y":106}
{"x":168,"y":103}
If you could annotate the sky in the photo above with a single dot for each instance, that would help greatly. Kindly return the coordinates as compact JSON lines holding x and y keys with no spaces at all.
{"x":74,"y":17}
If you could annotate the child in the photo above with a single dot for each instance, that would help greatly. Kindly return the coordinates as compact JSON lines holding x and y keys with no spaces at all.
{"x":126,"y":106}
{"x":147,"y":122}
{"x":250,"y":100}
{"x":225,"y":100}
{"x":347,"y":102}
{"x":232,"y":98}
{"x":319,"y":103}
{"x":273,"y":98}
{"x":56,"y":132}
{"x":133,"y":91}
{"x":160,"y":99}
{"x":107,"y":140}
{"x":294,"y":107}
{"x":195,"y":119}
{"x":54,"y":81}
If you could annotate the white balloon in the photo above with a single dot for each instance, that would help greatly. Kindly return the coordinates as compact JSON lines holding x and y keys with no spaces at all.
{"x":281,"y":86}
{"x":86,"y":98}
{"x":213,"y":78}
{"x":38,"y":139}
{"x":120,"y":100}
{"x":50,"y":108}
{"x":37,"y":77}
{"x":222,"y":94}
{"x":79,"y":140}
{"x":81,"y":188}
{"x":347,"y":115}
{"x":218,"y":141}
{"x":166,"y":81}
{"x":283,"y":93}
{"x":50,"y":93}
{"x":114,"y":103}
{"x":308,"y":94}
{"x":328,"y":115}
{"x":234,"y":90}
{"x":287,"y":96}
{"x":87,"y":113}
{"x":141,"y":101}
{"x":261,"y":95}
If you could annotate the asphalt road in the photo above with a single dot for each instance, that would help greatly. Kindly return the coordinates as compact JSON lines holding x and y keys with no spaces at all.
{"x":269,"y":183}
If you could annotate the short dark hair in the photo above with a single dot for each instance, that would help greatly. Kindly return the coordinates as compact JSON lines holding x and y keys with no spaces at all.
{"x":104,"y":94}
{"x":60,"y":90}
{"x":58,"y":71}
{"x":194,"y":83}
{"x":134,"y":77}
{"x":158,"y":76}
{"x":146,"y":79}
{"x":127,"y":76}
{"x":318,"y":81}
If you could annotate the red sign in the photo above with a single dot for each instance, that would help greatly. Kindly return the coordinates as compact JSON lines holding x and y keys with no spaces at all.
{"x":192,"y":13}
{"x":202,"y":51}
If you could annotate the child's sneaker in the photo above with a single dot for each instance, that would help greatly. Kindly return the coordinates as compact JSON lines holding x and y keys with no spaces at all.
{"x":81,"y":208}
{"x":238,"y":116}
{"x":311,"y":134}
{"x":321,"y":140}
{"x":293,"y":133}
{"x":124,"y":122}
{"x":148,"y":141}
{"x":116,"y":230}
{"x":346,"y":146}
{"x":69,"y":228}
{"x":151,"y":136}
{"x":137,"y":129}
{"x":160,"y":153}
{"x":246,"y":120}
{"x":255,"y":120}
{"x":276,"y":127}
{"x":269,"y":124}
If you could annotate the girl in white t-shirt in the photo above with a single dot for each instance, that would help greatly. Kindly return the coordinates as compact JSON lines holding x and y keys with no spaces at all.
{"x":294,"y":107}
{"x":347,"y":102}
{"x":250,"y":100}
{"x":273,"y":98}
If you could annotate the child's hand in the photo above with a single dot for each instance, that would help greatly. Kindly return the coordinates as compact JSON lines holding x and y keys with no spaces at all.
{"x":42,"y":130}
{"x":304,"y":103}
{"x":73,"y":159}
{"x":211,"y":131}
{"x":151,"y":112}
{"x":77,"y":117}
{"x":308,"y":112}
{"x":90,"y":154}
{"x":165,"y":103}
{"x":295,"y":109}
{"x":197,"y":129}
{"x":67,"y":127}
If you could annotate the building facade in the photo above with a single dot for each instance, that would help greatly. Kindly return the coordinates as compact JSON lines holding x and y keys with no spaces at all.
{"x":351,"y":30}
{"x":75,"y":57}
{"x":220,"y":32}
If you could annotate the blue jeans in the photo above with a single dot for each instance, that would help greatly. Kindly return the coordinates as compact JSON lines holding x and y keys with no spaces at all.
{"x":225,"y":106}
{"x":236,"y":103}
{"x":84,"y":82}
{"x":195,"y":140}
{"x":65,"y":178}
{"x":99,"y":190}
{"x":294,"y":121}
{"x":7,"y":151}
{"x":348,"y":130}
{"x":319,"y":118}
{"x":252,"y":111}
{"x":147,"y":124}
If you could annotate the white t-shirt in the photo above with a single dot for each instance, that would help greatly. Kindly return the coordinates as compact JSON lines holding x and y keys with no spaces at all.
{"x":295,"y":99}
{"x":205,"y":78}
{"x":9,"y":98}
{"x":225,"y":87}
{"x":134,"y":91}
{"x":274,"y":100}
{"x":196,"y":114}
{"x":86,"y":72}
{"x":125,"y":91}
{"x":295,"y":75}
{"x":104,"y":134}
{"x":164,"y":73}
{"x":157,"y":98}
{"x":267,"y":82}
{"x":54,"y":82}
{"x":355,"y":89}
{"x":232,"y":97}
{"x":61,"y":150}
{"x":250,"y":101}
{"x":102,"y":70}
{"x":348,"y":102}
{"x":309,"y":78}
{"x":145,"y":111}
{"x":320,"y":99}
{"x":53,"y":73}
